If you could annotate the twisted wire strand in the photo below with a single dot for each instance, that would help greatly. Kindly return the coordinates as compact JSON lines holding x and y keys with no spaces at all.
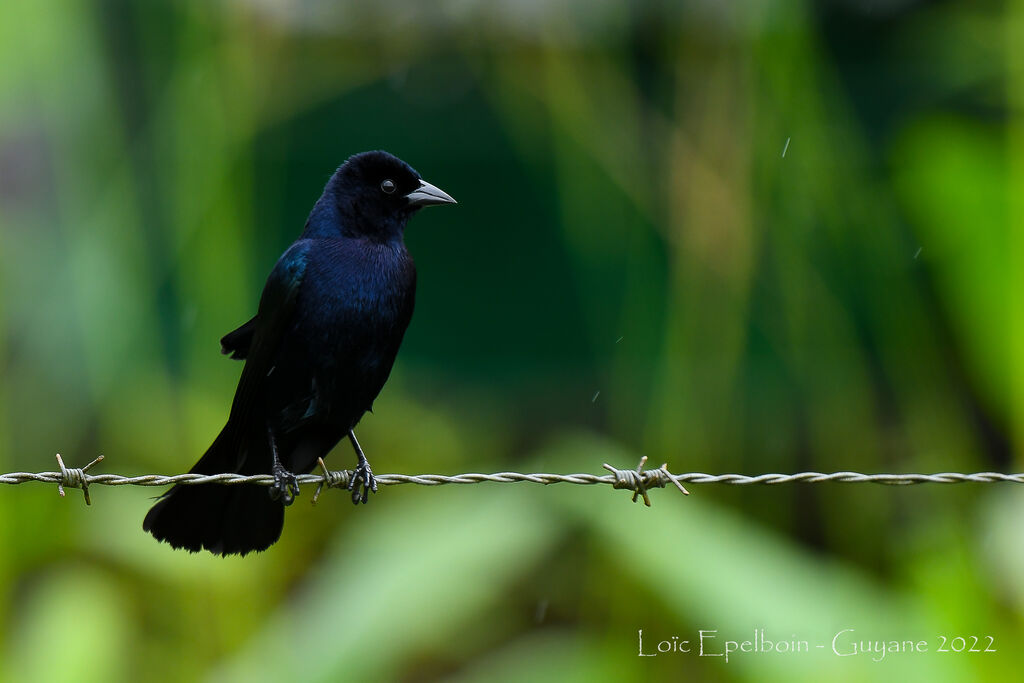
{"x":638,"y":480}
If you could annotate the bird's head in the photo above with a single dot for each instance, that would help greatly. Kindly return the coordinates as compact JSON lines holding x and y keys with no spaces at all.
{"x":373,"y":194}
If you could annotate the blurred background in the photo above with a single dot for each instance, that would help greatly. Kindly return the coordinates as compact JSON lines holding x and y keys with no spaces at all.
{"x":750,"y":237}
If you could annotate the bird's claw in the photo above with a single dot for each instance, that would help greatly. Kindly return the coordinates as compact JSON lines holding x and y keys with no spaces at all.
{"x":285,"y":487}
{"x":361,"y":483}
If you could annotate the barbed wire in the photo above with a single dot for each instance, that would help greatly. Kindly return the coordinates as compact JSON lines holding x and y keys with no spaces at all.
{"x":637,"y":480}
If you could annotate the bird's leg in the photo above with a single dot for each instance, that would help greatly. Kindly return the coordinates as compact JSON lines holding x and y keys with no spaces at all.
{"x":285,"y":486}
{"x":362,"y":473}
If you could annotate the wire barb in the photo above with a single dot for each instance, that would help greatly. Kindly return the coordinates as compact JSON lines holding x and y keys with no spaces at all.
{"x":75,"y":478}
{"x":639,"y":481}
{"x":332,"y":480}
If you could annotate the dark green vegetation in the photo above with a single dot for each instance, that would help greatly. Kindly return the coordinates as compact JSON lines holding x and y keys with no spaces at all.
{"x":627,"y":225}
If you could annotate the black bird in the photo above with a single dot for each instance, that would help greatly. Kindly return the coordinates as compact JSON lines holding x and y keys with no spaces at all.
{"x":317,"y":353}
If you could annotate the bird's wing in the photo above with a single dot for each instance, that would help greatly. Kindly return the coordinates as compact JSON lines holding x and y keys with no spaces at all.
{"x":236,"y":342}
{"x":272,"y":319}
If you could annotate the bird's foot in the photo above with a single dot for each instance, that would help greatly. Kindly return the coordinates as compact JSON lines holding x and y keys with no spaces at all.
{"x":362,"y":482}
{"x":285,"y":487}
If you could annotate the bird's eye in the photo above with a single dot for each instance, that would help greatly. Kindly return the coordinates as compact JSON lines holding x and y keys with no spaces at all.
{"x":387,"y":186}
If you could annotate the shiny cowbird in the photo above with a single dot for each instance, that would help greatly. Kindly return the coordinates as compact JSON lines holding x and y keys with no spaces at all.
{"x":317,"y":353}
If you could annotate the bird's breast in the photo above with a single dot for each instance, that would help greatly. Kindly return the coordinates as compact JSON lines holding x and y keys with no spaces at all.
{"x":354,"y":313}
{"x":360,"y":297}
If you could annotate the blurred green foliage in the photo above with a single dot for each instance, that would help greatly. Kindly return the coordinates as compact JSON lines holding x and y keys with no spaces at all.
{"x":756,"y":237}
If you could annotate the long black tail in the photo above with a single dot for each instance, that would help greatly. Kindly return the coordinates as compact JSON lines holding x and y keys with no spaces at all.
{"x":226,"y":520}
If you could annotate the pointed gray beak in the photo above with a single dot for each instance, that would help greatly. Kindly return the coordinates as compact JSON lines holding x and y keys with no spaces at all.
{"x":426,"y":194}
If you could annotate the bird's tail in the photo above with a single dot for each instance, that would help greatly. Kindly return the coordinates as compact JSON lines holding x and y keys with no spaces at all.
{"x":225,"y":520}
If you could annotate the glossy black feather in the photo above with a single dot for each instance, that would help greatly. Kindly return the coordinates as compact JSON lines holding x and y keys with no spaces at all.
{"x":236,"y":342}
{"x":320,"y":348}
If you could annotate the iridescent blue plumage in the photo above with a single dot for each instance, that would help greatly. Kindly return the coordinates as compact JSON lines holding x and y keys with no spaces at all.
{"x":320,"y":348}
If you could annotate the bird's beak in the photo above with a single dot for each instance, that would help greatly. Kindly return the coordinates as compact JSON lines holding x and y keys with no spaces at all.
{"x":426,"y":194}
